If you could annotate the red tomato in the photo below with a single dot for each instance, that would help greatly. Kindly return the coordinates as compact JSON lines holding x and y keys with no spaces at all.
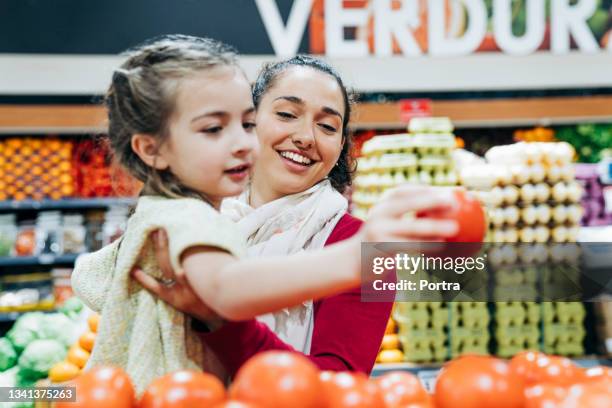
{"x":468,"y":213}
{"x":525,"y":365}
{"x":183,"y":388}
{"x":589,"y":395}
{"x":478,"y":382}
{"x":102,"y":387}
{"x":351,"y":390}
{"x":558,"y":370}
{"x":235,"y":404}
{"x":278,"y":379}
{"x":545,"y":396}
{"x":401,"y":388}
{"x":600,"y":373}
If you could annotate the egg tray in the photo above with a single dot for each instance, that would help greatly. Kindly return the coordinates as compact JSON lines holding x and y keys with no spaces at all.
{"x":529,"y":255}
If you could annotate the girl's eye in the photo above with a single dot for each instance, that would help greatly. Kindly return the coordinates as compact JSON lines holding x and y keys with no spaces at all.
{"x":249,"y":125}
{"x":328,"y":128}
{"x":286,"y":115}
{"x":212,"y":130}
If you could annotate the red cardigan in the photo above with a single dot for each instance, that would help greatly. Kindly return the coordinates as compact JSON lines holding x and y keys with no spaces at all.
{"x":346,"y":336}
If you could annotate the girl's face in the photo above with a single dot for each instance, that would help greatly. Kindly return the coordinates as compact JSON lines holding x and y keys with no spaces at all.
{"x":212,"y":143}
{"x":299,"y":126}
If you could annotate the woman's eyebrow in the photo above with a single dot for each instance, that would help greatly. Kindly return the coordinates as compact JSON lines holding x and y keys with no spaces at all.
{"x":331,"y":111}
{"x":293,"y":99}
{"x":299,"y":101}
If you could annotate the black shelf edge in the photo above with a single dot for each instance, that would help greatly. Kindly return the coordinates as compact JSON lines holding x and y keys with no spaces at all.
{"x":38,"y":260}
{"x":64,"y":204}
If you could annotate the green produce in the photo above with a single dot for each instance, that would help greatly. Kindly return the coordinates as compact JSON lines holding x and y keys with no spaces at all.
{"x":38,"y":358}
{"x":8,"y":355}
{"x":8,"y":378}
{"x":72,"y":307}
{"x":25,"y":330}
{"x":589,"y":140}
{"x":57,"y":326}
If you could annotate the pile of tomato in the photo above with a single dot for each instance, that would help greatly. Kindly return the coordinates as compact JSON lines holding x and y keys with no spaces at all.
{"x":289,"y":380}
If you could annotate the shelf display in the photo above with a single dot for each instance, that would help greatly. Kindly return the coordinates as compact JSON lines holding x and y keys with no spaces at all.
{"x":53,"y":168}
{"x":35,"y":168}
{"x":423,"y":156}
{"x":530,"y":191}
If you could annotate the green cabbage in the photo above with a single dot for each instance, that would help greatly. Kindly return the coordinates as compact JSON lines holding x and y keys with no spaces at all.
{"x":25,"y":330}
{"x":8,"y":355}
{"x":38,"y":358}
{"x":72,"y":307}
{"x":56,"y":326}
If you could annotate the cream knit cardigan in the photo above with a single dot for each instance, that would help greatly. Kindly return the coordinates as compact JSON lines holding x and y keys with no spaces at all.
{"x":138,"y":332}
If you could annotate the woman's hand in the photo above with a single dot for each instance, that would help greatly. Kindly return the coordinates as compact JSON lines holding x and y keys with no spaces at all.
{"x":392,"y":218}
{"x":177,"y":292}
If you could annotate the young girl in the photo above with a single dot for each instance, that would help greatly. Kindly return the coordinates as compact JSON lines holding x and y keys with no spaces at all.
{"x":181,"y":119}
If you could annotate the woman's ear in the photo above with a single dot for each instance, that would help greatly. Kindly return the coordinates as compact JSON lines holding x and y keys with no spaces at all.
{"x":146,"y":147}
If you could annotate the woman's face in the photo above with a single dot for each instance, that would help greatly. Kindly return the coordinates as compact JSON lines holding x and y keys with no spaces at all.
{"x":299,"y":126}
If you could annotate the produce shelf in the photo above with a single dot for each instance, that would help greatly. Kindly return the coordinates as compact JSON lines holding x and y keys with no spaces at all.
{"x":38,"y":260}
{"x":65,"y":204}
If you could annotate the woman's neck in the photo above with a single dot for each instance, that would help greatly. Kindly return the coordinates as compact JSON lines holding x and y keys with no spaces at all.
{"x":261,"y":193}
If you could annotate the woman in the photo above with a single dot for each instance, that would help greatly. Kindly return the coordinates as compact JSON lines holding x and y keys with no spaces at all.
{"x":294,"y":203}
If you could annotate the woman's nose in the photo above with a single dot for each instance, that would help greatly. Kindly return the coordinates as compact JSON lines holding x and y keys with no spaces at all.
{"x":304,"y":137}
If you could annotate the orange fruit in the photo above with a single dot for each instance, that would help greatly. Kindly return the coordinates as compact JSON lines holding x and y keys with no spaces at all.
{"x":87,"y":340}
{"x":67,"y":190}
{"x":78,"y":356}
{"x":63,"y":371}
{"x":44,"y":152}
{"x":65,"y":166}
{"x":54,"y":144}
{"x":390,"y":329}
{"x":93,"y":322}
{"x":390,"y":342}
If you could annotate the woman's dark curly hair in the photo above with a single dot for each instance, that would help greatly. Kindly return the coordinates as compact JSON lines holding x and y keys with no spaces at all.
{"x":341,"y":175}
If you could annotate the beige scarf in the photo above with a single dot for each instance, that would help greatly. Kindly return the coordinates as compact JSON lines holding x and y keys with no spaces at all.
{"x":289,"y":225}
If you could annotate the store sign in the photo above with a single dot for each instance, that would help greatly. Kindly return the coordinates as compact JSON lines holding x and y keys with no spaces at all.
{"x":438,"y":27}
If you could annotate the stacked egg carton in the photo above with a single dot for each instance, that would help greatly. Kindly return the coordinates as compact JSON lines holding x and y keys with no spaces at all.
{"x":532,"y":199}
{"x":423,"y":330}
{"x":423,"y":156}
{"x":517,"y":327}
{"x":534,"y":196}
{"x":563,"y":328}
{"x":469,"y":328}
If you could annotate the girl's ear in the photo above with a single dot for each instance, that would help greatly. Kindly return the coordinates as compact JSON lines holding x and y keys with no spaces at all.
{"x":146,"y":147}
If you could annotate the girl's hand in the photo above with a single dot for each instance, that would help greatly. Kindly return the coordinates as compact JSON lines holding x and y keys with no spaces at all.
{"x":177,"y":292}
{"x":392,"y":218}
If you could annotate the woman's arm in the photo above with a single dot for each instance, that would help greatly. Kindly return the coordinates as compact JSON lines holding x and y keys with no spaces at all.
{"x":347,"y":332}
